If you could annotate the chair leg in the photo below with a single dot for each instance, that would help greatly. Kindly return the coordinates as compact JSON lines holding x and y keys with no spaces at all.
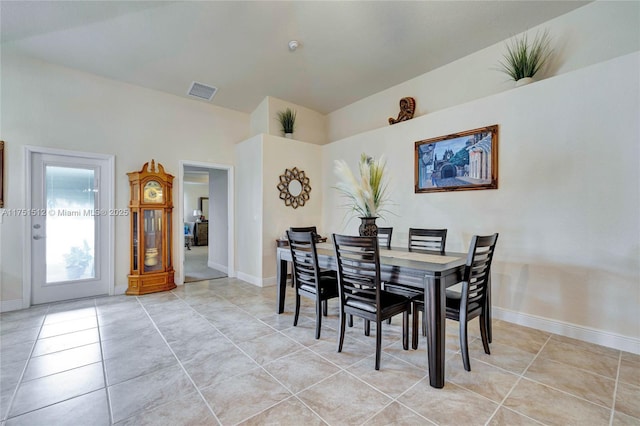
{"x":464,"y":346}
{"x":319,"y":305}
{"x":484,"y":334}
{"x":341,"y":337}
{"x":324,"y":307}
{"x":378,"y":342}
{"x":405,"y":330}
{"x":295,"y":317}
{"x":350,"y":320}
{"x":424,"y":324}
{"x":367,"y":328}
{"x":388,"y":320}
{"x":414,"y":329}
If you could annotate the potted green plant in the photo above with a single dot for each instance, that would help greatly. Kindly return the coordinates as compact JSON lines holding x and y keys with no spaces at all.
{"x":525,"y":58}
{"x":366,"y":196}
{"x":77,"y":260}
{"x":287,"y":119}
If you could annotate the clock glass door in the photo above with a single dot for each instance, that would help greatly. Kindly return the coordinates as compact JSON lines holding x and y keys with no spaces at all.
{"x":153,"y":243}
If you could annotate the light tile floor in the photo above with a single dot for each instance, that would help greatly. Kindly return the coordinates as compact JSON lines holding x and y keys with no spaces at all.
{"x":215,"y":352}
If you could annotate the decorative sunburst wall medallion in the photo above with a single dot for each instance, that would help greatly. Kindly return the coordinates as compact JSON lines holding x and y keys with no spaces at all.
{"x":294,"y":187}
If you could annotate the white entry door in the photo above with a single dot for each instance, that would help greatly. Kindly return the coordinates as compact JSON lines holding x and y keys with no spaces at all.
{"x":70,"y":227}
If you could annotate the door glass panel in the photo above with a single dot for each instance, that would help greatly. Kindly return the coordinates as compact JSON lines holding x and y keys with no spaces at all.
{"x":70,"y":224}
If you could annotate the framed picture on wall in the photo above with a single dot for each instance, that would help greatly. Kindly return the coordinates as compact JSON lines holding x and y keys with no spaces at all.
{"x":458,"y":162}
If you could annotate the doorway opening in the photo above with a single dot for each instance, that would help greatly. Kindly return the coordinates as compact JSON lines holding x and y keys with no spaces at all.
{"x":206,"y":209}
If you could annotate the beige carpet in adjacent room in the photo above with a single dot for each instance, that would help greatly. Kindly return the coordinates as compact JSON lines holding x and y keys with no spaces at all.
{"x":195,"y":265}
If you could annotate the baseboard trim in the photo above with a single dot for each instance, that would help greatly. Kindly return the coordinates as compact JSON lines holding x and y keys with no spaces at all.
{"x":250,"y":279}
{"x":587,"y":334}
{"x":10,"y":305}
{"x":220,"y":267}
{"x":269,"y":282}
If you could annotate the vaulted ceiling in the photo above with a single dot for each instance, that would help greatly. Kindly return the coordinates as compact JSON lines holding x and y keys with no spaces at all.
{"x":348,"y":50}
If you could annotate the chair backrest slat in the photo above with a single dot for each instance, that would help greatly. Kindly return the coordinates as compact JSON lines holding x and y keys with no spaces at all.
{"x":358,"y":260}
{"x":432,"y":240}
{"x":384,"y":237}
{"x":478,"y":269}
{"x":304,"y":258}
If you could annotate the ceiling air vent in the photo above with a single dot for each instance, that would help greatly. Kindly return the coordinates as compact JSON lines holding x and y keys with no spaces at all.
{"x":202,"y":91}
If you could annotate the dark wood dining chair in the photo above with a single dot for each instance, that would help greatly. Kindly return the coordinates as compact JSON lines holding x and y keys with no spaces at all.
{"x":308,"y":279}
{"x":384,"y":237}
{"x":323,"y":272}
{"x":304,"y":229}
{"x":360,"y":289}
{"x":429,"y":240}
{"x":471,"y":302}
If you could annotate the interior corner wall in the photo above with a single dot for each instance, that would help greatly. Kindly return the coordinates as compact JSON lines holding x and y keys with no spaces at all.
{"x":310,"y":126}
{"x":249,"y":209}
{"x":50,"y":106}
{"x":260,"y":118}
{"x":281,"y":154}
{"x":566,"y":208}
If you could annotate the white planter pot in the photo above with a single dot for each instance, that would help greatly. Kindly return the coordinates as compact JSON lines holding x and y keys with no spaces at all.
{"x":288,"y":135}
{"x":524,"y":81}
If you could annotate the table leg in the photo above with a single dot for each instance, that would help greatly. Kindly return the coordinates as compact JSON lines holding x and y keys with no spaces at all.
{"x":435,"y":313}
{"x":281,"y":278}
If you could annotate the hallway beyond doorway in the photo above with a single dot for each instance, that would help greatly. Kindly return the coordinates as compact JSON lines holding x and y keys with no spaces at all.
{"x":195,"y":266}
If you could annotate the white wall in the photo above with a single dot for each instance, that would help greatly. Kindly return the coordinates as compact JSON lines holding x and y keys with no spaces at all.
{"x":280,"y":154}
{"x":262,"y":215}
{"x":590,"y":34}
{"x":192,"y":193}
{"x":51,"y":106}
{"x":218,"y":220}
{"x":311,"y":126}
{"x":248,"y":187}
{"x":260,"y":118}
{"x":567,"y":205}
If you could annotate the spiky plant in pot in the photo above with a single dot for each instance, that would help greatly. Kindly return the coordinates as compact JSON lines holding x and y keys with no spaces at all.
{"x":287,"y":119}
{"x":523,"y":58}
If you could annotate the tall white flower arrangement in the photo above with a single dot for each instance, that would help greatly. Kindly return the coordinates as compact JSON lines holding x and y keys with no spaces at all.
{"x":367,"y":195}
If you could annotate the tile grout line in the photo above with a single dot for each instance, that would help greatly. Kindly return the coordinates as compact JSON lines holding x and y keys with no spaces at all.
{"x":520,"y":377}
{"x":392,"y":400}
{"x":177,"y":359}
{"x":293,"y":395}
{"x":24,"y":368}
{"x":615,"y":389}
{"x":104,"y":366}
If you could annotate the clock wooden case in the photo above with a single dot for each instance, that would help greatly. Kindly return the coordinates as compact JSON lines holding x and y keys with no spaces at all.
{"x":151,"y":205}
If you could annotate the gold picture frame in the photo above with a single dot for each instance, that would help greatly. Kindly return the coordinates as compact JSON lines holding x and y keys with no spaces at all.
{"x":457,"y":162}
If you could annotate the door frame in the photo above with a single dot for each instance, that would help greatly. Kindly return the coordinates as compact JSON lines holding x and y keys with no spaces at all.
{"x":231,"y":272}
{"x":108,"y":179}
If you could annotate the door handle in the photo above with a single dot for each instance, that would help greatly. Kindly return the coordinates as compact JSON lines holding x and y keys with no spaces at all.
{"x":38,"y":237}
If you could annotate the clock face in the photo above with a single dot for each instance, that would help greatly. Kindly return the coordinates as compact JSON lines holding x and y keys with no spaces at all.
{"x":152,"y":192}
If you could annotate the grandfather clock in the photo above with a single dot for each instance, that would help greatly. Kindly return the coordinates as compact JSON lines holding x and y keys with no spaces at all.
{"x":151,"y":205}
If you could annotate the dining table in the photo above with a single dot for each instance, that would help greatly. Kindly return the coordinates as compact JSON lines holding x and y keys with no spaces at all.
{"x":430,"y":272}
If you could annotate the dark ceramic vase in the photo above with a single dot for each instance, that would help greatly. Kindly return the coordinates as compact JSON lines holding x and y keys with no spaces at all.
{"x":368,"y":227}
